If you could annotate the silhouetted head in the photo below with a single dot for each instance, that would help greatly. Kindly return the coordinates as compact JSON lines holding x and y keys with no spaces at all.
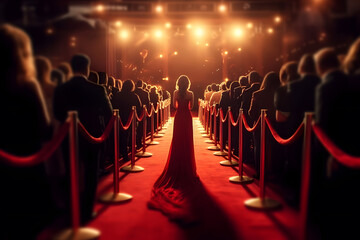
{"x":233,"y":85}
{"x":307,"y":65}
{"x":57,"y":77}
{"x":111,"y":81}
{"x":223,"y":86}
{"x":208,"y":88}
{"x":227,"y":84}
{"x":214,"y":88}
{"x":43,"y":70}
{"x":128,"y":86}
{"x":103,"y":78}
{"x":271,"y":81}
{"x":17,"y":62}
{"x":93,"y":77}
{"x":326,"y":60}
{"x":288,"y":72}
{"x":80,"y":64}
{"x":352,"y":59}
{"x":139,"y":83}
{"x":254,"y":77}
{"x":119,"y":84}
{"x":66,"y":69}
{"x":244,"y":82}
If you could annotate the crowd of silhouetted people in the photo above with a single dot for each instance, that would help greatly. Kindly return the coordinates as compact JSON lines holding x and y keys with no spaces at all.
{"x":326,"y":83}
{"x":35,"y":100}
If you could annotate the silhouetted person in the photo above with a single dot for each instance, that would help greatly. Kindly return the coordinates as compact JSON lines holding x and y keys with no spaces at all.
{"x":93,"y":77}
{"x":145,"y":101}
{"x":124,"y":101}
{"x":57,"y":77}
{"x":94,"y":108}
{"x":66,"y":69}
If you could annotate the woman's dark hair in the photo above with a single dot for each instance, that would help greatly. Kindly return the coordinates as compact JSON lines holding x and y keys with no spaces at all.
{"x":307,"y":64}
{"x":271,"y":81}
{"x":183,"y":84}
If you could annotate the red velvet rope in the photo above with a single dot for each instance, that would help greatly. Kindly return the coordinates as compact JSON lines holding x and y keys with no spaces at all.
{"x":247,"y":127}
{"x":222,"y":115}
{"x":100,"y":139}
{"x":340,"y":155}
{"x":281,"y":140}
{"x":151,"y":112}
{"x":141,"y":116}
{"x":218,"y":113}
{"x":128,"y":123}
{"x":232,"y":119}
{"x":212,"y":110}
{"x":157,"y":108}
{"x":42,"y":155}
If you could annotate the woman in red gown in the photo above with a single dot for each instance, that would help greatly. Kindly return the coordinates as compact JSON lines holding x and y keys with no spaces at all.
{"x":170,"y":193}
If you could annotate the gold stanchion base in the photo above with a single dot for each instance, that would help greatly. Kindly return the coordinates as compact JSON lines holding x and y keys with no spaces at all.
{"x":143,"y":154}
{"x":228,"y":163}
{"x":262,"y":204}
{"x":153,"y":143}
{"x":84,"y":233}
{"x":115,"y":197}
{"x":209,"y":141}
{"x":239,"y":180}
{"x":162,"y":132}
{"x":205,"y":135}
{"x":203,"y":131}
{"x":128,"y":168}
{"x":158,"y":136}
{"x":220,"y":153}
{"x":213,"y":148}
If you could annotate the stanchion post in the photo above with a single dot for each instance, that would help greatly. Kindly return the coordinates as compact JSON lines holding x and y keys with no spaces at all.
{"x":158,"y":135}
{"x":229,"y":162}
{"x":76,"y":232}
{"x":152,"y":142}
{"x":211,"y":124}
{"x":215,"y":147}
{"x":305,"y":178}
{"x":144,"y":154}
{"x":261,"y":202}
{"x":221,"y":152}
{"x":116,"y":196}
{"x":132,"y":167}
{"x":241,"y":178}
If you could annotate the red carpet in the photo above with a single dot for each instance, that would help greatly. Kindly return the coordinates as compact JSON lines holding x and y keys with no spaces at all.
{"x":224,"y":214}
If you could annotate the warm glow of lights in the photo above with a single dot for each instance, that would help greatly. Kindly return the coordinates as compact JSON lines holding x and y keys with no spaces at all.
{"x":270,"y":30}
{"x":159,"y":9}
{"x":73,"y":38}
{"x":226,"y":79}
{"x":158,"y":33}
{"x":277,"y":19}
{"x":199,"y":32}
{"x":166,"y":78}
{"x":99,"y":8}
{"x":188,"y":26}
{"x":206,"y":44}
{"x":118,"y":24}
{"x":161,"y":56}
{"x":168,"y":25}
{"x":239,"y":49}
{"x":124,"y":34}
{"x":222,"y":8}
{"x":250,"y":25}
{"x":49,"y":31}
{"x":146,"y":35}
{"x":226,"y":52}
{"x":72,"y":44}
{"x":238,"y":32}
{"x":197,"y":43}
{"x":175,"y":53}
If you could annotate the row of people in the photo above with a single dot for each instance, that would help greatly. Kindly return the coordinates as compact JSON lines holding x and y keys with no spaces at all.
{"x":36,"y":99}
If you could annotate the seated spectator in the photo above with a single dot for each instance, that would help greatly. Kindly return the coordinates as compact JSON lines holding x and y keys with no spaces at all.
{"x":94,"y":108}
{"x":124,"y":101}
{"x":216,"y":96}
{"x":25,"y":126}
{"x":57,"y":77}
{"x":246,"y":95}
{"x":93,"y":77}
{"x":66,"y":69}
{"x":208,"y":93}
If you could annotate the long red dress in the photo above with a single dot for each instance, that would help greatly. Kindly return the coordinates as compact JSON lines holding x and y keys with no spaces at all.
{"x":171,"y":191}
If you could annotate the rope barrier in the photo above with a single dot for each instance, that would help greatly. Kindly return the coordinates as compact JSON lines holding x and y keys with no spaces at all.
{"x":42,"y":155}
{"x":100,"y":139}
{"x":282,"y":141}
{"x":247,"y":127}
{"x":128,"y":123}
{"x":222,"y":115}
{"x":342,"y":157}
{"x":141,"y":116}
{"x":232,"y":119}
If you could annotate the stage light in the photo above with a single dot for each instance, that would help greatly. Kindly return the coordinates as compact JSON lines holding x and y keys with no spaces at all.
{"x":175,"y":53}
{"x":161,"y":56}
{"x":49,"y":31}
{"x":277,"y":19}
{"x":165,"y":78}
{"x":146,"y":35}
{"x":249,"y":25}
{"x":118,"y":24}
{"x":124,"y":34}
{"x":100,"y":8}
{"x":270,"y":30}
{"x":197,"y":43}
{"x":189,"y":26}
{"x":238,"y":32}
{"x":73,"y":44}
{"x":168,"y":25}
{"x":158,"y":33}
{"x":159,"y":9}
{"x":73,"y":38}
{"x":222,"y":8}
{"x":226,"y":52}
{"x":239,"y":49}
{"x":199,"y":32}
{"x":206,"y":44}
{"x":226,"y":79}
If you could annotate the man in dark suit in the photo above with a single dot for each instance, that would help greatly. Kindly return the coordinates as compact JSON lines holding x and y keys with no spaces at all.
{"x":124,"y":101}
{"x":92,"y":104}
{"x":246,"y":95}
{"x":145,"y":100}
